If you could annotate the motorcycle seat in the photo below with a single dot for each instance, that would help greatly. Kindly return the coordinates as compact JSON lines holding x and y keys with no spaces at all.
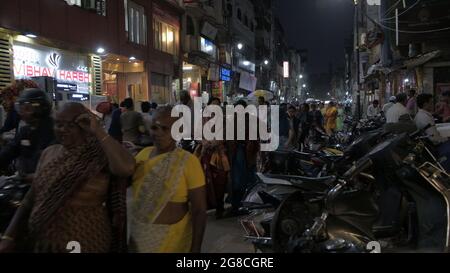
{"x":318,"y":184}
{"x":291,"y":178}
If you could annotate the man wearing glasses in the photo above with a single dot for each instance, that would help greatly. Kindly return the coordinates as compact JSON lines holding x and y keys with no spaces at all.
{"x":34,"y":108}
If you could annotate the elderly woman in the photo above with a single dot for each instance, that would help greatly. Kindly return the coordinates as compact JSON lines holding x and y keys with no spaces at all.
{"x":168,"y":213}
{"x":75,"y":196}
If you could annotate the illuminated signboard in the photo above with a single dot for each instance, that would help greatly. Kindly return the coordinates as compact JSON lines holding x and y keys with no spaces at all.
{"x":67,"y":87}
{"x":286,"y":69}
{"x":69,"y":69}
{"x":225,"y":74}
{"x":78,"y":97}
{"x":208,"y":47}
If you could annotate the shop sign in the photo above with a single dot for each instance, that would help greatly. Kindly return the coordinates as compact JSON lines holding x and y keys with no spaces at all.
{"x":69,"y":69}
{"x":208,"y":47}
{"x":286,"y":70}
{"x":78,"y":97}
{"x":225,"y":74}
{"x":67,"y":87}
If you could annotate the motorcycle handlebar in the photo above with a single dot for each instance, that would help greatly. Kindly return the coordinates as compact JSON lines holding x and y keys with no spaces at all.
{"x":358,"y":168}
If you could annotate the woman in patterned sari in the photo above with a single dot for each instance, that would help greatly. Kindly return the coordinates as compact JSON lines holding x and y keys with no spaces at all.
{"x":168,"y":213}
{"x":74,"y":196}
{"x":214,"y":159}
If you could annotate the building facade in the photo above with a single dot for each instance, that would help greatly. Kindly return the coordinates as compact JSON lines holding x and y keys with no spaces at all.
{"x":87,"y":50}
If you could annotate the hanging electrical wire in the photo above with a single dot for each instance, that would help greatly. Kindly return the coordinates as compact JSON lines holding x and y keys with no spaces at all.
{"x":392,"y":8}
{"x":405,"y":31}
{"x":411,"y":7}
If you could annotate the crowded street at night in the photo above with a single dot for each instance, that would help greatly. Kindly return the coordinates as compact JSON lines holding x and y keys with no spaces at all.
{"x":231,"y":127}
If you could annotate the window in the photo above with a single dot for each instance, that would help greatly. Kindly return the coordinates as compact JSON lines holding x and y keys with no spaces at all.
{"x":98,"y":6}
{"x":165,"y":37}
{"x":239,"y":14}
{"x":135,"y":23}
{"x":190,"y":27}
{"x":252,"y":27}
{"x":246,"y":21}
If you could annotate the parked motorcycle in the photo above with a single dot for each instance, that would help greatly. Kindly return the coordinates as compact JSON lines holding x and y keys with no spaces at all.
{"x":412,"y":200}
{"x":12,"y":191}
{"x":283,"y":181}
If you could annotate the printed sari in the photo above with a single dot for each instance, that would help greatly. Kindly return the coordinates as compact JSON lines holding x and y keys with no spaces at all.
{"x":157,"y":183}
{"x":76,"y":199}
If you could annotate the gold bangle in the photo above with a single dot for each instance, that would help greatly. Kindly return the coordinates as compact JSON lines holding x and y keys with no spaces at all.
{"x":7,"y":238}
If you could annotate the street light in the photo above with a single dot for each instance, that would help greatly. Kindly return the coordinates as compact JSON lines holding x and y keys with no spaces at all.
{"x":31,"y":35}
{"x":240,"y":46}
{"x":304,"y":85}
{"x":266,"y":62}
{"x":100,"y":50}
{"x":301,"y":76}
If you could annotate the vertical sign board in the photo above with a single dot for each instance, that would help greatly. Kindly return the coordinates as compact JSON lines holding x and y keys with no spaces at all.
{"x":286,"y":70}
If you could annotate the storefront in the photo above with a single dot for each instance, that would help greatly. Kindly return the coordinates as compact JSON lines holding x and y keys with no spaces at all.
{"x":64,"y":75}
{"x":192,"y":78}
{"x":125,"y":78}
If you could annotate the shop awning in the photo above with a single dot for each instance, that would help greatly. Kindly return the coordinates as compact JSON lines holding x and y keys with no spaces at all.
{"x":422,"y":59}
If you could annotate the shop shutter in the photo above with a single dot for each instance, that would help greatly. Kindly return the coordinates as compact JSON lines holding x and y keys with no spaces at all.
{"x":97,"y":76}
{"x":5,"y":61}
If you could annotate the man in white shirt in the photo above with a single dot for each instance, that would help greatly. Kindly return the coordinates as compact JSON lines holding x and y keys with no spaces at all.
{"x":388,"y":105}
{"x":398,"y":109}
{"x":373,"y":110}
{"x":425,"y":118}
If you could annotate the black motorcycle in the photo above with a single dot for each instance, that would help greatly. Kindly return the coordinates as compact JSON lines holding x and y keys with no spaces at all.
{"x":405,"y":206}
{"x":12,"y":192}
{"x":282,"y":185}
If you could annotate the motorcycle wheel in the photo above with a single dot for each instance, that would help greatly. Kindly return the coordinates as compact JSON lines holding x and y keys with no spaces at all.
{"x":291,"y":220}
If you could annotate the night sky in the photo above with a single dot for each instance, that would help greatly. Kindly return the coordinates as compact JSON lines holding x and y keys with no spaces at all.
{"x":320,"y":26}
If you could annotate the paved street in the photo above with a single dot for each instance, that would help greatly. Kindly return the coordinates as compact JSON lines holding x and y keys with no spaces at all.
{"x":225,"y":236}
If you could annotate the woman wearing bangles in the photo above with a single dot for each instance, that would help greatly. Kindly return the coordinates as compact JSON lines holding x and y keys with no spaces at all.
{"x":78,"y":193}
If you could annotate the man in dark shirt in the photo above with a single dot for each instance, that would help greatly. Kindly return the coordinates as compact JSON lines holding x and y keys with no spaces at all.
{"x":11,"y":122}
{"x":115,"y":130}
{"x":32,"y":139}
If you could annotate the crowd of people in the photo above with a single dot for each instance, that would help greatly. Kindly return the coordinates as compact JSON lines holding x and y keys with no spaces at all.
{"x":298,"y":123}
{"x":80,"y":168}
{"x":411,"y":112}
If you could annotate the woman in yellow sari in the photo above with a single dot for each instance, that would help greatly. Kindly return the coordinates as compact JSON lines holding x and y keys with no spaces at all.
{"x":168,"y":213}
{"x":331,"y":115}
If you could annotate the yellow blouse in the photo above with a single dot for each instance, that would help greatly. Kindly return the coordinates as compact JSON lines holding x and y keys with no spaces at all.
{"x":193,"y":178}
